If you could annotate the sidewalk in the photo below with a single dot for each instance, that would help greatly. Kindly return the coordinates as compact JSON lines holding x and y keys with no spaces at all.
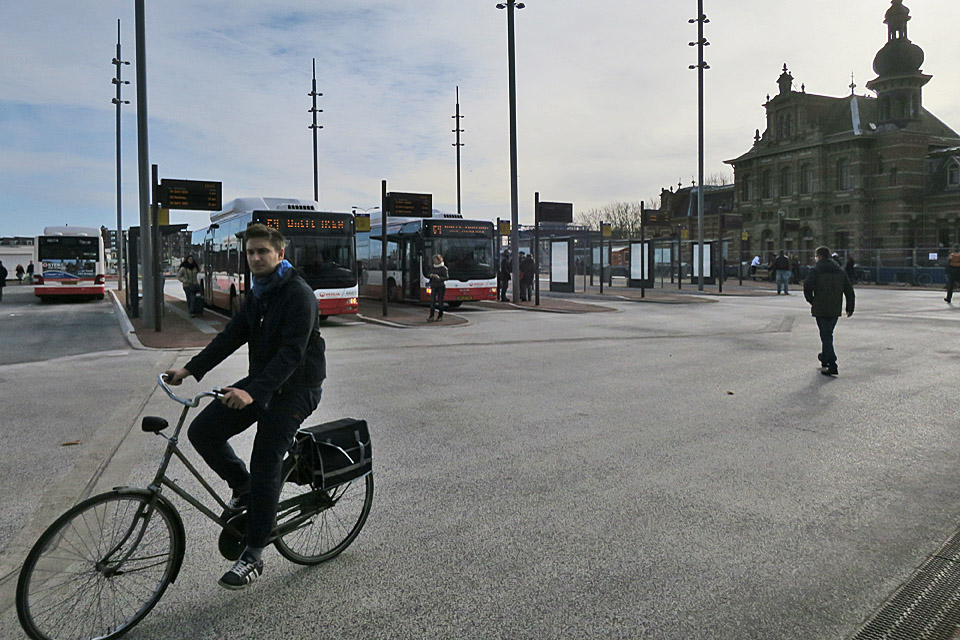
{"x":178,"y":329}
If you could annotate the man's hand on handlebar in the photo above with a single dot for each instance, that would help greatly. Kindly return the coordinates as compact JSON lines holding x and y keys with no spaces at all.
{"x":235,"y":398}
{"x":175,"y":376}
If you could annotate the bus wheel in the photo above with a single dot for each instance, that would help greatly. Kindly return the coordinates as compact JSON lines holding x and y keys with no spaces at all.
{"x":234,"y":303}
{"x":454,"y":304}
{"x":322,"y":318}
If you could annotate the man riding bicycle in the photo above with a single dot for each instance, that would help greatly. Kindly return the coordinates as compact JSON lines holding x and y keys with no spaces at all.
{"x":280,"y":324}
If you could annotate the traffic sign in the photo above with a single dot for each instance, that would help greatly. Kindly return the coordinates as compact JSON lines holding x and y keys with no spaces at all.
{"x":362,"y":222}
{"x":556,"y":212}
{"x":197,"y":195}
{"x":410,"y":205}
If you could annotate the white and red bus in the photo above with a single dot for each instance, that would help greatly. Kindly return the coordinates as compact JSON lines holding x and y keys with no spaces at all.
{"x":320,"y":244}
{"x":467,"y":246}
{"x":69,"y":263}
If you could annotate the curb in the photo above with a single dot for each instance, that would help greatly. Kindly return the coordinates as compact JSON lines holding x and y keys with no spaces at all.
{"x":126,"y":326}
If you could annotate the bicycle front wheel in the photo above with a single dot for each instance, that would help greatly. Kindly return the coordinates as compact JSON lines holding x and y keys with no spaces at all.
{"x":331,"y":519}
{"x":99,"y":569}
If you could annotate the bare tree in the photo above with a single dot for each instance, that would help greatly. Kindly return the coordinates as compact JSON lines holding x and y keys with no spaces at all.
{"x":718,"y":178}
{"x":624,"y":218}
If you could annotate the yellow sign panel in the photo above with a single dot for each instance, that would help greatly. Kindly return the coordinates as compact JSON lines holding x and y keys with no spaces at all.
{"x":504,"y":227}
{"x":163,"y":217}
{"x":607,"y":230}
{"x":744,"y":236}
{"x":685,"y":234}
{"x":363,"y":222}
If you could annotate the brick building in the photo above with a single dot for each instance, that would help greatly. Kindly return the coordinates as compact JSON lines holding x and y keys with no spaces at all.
{"x":860,"y":173}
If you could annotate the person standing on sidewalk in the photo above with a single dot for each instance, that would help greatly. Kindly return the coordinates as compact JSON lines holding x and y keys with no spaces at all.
{"x":187,"y":275}
{"x":781,"y":266}
{"x":953,"y":271}
{"x":3,"y":279}
{"x":438,"y":286}
{"x":30,"y":273}
{"x":280,"y":325}
{"x":503,"y":279}
{"x":825,"y":289}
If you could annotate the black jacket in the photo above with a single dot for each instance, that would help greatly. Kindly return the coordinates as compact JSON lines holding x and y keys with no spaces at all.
{"x":825,"y":288}
{"x":283,"y":334}
{"x":782,"y":263}
{"x":439,"y":275}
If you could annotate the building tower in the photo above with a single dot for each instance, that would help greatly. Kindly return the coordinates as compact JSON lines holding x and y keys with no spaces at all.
{"x":899,"y":81}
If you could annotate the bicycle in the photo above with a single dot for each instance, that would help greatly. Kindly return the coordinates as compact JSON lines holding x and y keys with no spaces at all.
{"x":102,"y":566}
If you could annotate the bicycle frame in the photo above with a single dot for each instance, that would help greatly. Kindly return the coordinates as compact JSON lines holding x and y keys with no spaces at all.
{"x":160,"y":479}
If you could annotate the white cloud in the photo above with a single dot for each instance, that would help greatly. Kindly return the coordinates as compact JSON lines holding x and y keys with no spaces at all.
{"x":606,"y":104}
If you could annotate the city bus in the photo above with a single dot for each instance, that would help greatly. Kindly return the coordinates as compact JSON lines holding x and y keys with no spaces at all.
{"x":467,"y":246}
{"x":320,"y":244}
{"x":69,"y":263}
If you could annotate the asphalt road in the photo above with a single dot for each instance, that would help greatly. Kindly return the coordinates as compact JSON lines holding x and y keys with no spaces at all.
{"x":667,"y":471}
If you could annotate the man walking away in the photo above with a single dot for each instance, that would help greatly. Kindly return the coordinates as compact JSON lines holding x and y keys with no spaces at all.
{"x":3,"y":279}
{"x":953,"y":271}
{"x":781,"y":265}
{"x":825,"y":289}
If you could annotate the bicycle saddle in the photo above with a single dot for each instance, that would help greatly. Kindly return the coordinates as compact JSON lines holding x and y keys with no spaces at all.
{"x":154,"y":424}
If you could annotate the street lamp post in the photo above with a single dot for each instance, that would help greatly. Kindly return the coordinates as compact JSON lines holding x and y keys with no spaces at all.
{"x":701,"y":42}
{"x":313,"y":94}
{"x":510,"y":5}
{"x":119,"y":62}
{"x":458,"y":144}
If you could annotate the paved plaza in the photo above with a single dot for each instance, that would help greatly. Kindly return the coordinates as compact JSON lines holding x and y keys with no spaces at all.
{"x":664,"y":471}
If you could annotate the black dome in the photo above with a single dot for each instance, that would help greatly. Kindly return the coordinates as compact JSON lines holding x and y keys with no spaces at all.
{"x":899,"y":56}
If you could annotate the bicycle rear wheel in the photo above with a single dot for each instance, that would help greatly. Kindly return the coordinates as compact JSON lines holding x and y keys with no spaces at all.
{"x":100,"y":568}
{"x":336,"y":517}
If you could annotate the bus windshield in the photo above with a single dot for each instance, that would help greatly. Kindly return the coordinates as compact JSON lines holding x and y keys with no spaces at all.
{"x":77,"y":256}
{"x":325,"y":263}
{"x":466,"y":258}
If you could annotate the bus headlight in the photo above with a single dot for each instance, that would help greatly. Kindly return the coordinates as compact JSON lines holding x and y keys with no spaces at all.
{"x":37,"y":279}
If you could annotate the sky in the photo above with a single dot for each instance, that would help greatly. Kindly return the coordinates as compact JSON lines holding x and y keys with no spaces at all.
{"x":606,"y":104}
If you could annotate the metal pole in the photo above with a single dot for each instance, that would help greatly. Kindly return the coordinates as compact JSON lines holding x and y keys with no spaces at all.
{"x":143,"y":165}
{"x":601,"y":256}
{"x":313,"y":93}
{"x":643,"y":255}
{"x":722,"y":261}
{"x":514,"y":197}
{"x":119,"y":62}
{"x":155,"y":232}
{"x":383,"y":243}
{"x":536,"y":247}
{"x":458,"y":144}
{"x":701,"y":65}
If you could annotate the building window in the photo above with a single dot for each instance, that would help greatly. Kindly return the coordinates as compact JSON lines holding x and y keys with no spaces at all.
{"x":767,"y":184}
{"x":748,"y":217}
{"x":746,"y":189}
{"x":785,"y":186}
{"x":766,"y":215}
{"x":879,"y":164}
{"x":953,"y":173}
{"x":844,"y":179}
{"x":806,"y":179}
{"x":842,"y":241}
{"x":893,"y":176}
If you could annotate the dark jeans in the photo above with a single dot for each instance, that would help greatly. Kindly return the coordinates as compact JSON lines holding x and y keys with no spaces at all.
{"x":276,"y":428}
{"x":827,"y":355}
{"x":503,"y":281}
{"x":953,"y":277}
{"x":436,"y":300}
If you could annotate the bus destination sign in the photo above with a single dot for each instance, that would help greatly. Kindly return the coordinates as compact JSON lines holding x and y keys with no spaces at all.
{"x":196,"y":195}
{"x":296,"y":224}
{"x":410,"y":205}
{"x":459,"y":229}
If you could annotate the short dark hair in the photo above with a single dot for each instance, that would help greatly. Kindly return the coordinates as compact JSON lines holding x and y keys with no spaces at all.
{"x":823,"y":252}
{"x":258,"y":230}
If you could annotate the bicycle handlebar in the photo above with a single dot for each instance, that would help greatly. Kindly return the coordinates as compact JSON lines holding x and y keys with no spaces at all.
{"x":216,"y":393}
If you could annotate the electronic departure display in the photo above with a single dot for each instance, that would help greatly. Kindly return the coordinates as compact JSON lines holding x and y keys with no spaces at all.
{"x":299,"y":223}
{"x":458,"y":229}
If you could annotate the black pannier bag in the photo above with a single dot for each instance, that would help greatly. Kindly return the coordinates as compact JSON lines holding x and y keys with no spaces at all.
{"x":333,"y":453}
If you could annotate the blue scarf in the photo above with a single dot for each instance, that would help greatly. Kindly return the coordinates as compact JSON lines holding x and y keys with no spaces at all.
{"x":263,"y":286}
